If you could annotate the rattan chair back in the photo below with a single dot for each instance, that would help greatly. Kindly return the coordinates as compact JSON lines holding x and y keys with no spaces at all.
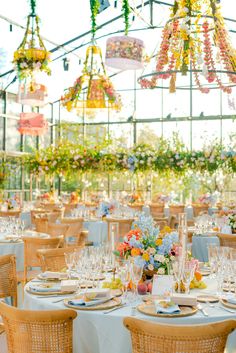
{"x":149,"y":337}
{"x":227,"y":240}
{"x":38,"y":331}
{"x":54,"y":259}
{"x":32,"y":244}
{"x":156,"y":209}
{"x":8,"y":279}
{"x":10,"y":213}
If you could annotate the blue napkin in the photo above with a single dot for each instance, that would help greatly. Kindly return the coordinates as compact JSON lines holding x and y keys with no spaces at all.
{"x":93,"y":302}
{"x":172,"y":309}
{"x":44,"y":289}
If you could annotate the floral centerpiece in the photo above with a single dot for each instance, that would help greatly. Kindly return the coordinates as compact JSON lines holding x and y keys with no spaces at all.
{"x":74,"y":197}
{"x":147,"y":243}
{"x":134,"y":198}
{"x":204,"y":199}
{"x":106,"y":208}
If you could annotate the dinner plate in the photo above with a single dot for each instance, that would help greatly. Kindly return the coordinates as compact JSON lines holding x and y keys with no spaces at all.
{"x":109,"y":304}
{"x":227,"y":304}
{"x":150,"y":310}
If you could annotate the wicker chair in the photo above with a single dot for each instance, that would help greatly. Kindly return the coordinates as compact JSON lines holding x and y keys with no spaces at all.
{"x":156,"y":209}
{"x":173,"y":223}
{"x":161,"y":224}
{"x":227,"y":240}
{"x":136,"y":207}
{"x":54,"y":259}
{"x":38,"y":331}
{"x":199,"y":209}
{"x":55,"y":229}
{"x":10,"y":213}
{"x":176,"y":209}
{"x":69,"y":207}
{"x":124,"y":226}
{"x":8,"y":280}
{"x":34,"y":213}
{"x":149,"y":337}
{"x":31,"y":245}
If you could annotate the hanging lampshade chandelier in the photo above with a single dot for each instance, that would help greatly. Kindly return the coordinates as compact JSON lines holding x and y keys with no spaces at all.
{"x":196,"y":42}
{"x":31,"y":58}
{"x":93,"y":90}
{"x":32,"y":124}
{"x":124,"y":52}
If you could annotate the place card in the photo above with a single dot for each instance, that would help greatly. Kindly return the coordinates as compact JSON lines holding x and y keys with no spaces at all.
{"x":184,"y":299}
{"x":162,"y":285}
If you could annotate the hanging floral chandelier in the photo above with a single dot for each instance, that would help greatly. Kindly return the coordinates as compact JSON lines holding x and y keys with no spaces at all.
{"x":93,"y":89}
{"x":31,"y":56}
{"x":125,"y":52}
{"x":195,"y":41}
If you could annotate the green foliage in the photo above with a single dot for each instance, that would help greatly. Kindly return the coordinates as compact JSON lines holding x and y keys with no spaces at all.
{"x":126,"y":12}
{"x":94,"y":7}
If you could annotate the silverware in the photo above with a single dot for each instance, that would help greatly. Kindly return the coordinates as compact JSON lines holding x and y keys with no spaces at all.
{"x":202,"y":310}
{"x":222,"y":308}
{"x":113,"y":309}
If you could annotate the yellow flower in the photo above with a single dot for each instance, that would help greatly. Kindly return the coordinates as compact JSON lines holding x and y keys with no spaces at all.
{"x":159,"y":242}
{"x":146,"y":256}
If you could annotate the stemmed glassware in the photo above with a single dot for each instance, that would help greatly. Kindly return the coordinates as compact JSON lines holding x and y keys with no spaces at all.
{"x":188,"y":274}
{"x":124,"y":272}
{"x":136,"y":275}
{"x":70,"y":261}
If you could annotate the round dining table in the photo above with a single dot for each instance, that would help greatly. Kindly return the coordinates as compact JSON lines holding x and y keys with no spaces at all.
{"x":97,"y":332}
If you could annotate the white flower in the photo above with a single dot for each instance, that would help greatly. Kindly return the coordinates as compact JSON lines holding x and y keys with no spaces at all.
{"x":151,"y":251}
{"x":159,"y":258}
{"x":167,"y":260}
{"x":161,"y":271}
{"x":150,"y":267}
{"x":172,"y":258}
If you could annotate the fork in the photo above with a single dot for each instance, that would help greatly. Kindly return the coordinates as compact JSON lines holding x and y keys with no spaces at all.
{"x":221,"y":307}
{"x":204,"y":312}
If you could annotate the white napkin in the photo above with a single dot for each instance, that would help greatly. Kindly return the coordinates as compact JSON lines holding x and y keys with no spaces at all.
{"x":173,"y":309}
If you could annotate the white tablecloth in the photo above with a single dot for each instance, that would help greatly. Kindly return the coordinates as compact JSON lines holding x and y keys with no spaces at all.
{"x":95,"y":332}
{"x":98,"y":231}
{"x":14,"y":248}
{"x":199,"y":246}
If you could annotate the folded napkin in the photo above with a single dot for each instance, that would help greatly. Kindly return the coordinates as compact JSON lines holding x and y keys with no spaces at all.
{"x":88,"y":302}
{"x":231,"y":299}
{"x":44,"y":288}
{"x":52,"y":275}
{"x":166,"y":307}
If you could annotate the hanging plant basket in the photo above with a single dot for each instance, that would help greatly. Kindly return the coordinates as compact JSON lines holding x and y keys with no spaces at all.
{"x":32,"y":124}
{"x":124,"y":53}
{"x":31,"y":93}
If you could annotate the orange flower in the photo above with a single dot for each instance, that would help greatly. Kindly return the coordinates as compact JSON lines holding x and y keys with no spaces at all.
{"x":198,"y":276}
{"x":135,"y":252}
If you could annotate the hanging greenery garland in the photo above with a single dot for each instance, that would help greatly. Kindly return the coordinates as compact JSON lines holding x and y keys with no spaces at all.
{"x":94,"y":7}
{"x":126,"y":12}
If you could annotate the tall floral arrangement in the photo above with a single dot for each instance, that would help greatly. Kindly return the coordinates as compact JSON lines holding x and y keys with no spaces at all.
{"x":147,"y":244}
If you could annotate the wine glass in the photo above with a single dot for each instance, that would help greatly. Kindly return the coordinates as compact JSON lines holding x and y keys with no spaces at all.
{"x":124,"y":272}
{"x":188,"y":274}
{"x":177,"y":268}
{"x":70,"y":260}
{"x":136,"y":275}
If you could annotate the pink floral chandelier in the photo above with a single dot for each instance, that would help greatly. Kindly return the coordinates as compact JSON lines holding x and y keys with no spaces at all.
{"x":195,"y":41}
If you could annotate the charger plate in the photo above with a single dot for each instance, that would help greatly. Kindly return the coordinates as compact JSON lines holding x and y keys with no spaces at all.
{"x":47,"y":293}
{"x":104,"y":306}
{"x":149,"y":309}
{"x":227,"y":304}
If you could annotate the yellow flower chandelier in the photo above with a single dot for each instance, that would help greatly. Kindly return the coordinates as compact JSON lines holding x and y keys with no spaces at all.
{"x":195,"y":41}
{"x":93,"y":90}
